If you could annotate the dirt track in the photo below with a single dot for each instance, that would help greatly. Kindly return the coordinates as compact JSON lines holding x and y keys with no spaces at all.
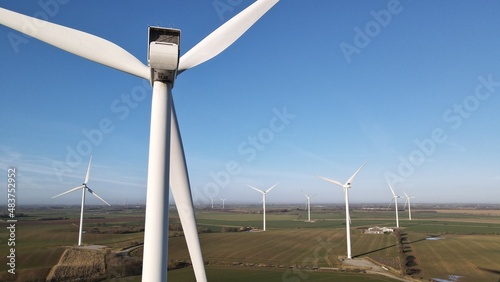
{"x":371,"y":267}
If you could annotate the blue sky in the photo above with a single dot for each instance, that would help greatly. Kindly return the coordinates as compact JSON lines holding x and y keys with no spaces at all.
{"x":314,"y":88}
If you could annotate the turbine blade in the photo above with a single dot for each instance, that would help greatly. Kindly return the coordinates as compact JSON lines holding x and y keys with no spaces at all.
{"x":97,"y":196}
{"x":225,"y":35}
{"x":406,"y":202}
{"x":256,"y":189}
{"x":392,"y":190}
{"x":356,"y":173}
{"x":181,"y":190}
{"x":332,"y":181}
{"x":271,"y":187}
{"x":88,"y":171}
{"x":390,"y":204}
{"x":69,"y":191}
{"x":77,"y":42}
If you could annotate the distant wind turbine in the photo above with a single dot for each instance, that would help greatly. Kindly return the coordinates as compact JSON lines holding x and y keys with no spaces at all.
{"x":395,"y":199}
{"x":409,"y":204}
{"x":346,"y":186}
{"x":223,"y":200}
{"x":308,"y":205}
{"x":212,"y":201}
{"x":263,"y":201}
{"x":84,"y":188}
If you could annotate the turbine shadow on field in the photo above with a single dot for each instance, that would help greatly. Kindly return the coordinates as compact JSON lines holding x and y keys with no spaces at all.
{"x":489,"y":270}
{"x":374,"y":251}
{"x":419,"y":240}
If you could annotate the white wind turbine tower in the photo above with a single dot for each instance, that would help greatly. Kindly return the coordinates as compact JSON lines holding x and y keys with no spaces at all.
{"x":308,"y":205}
{"x":346,"y":186}
{"x":409,"y":204}
{"x":395,"y":199}
{"x":212,"y":201}
{"x":166,"y":153}
{"x":223,"y":200}
{"x":84,"y":188}
{"x":264,"y":193}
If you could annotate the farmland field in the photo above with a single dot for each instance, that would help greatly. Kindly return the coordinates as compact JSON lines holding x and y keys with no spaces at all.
{"x":467,"y":256}
{"x":242,"y":274}
{"x":463,"y":244}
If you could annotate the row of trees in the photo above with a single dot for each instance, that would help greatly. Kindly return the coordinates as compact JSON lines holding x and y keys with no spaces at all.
{"x":408,"y":261}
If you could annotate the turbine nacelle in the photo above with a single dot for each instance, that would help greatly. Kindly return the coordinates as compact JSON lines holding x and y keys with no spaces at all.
{"x":163,"y":53}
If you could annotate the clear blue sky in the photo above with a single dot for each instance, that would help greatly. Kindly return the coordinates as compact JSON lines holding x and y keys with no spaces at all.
{"x":318,"y":87}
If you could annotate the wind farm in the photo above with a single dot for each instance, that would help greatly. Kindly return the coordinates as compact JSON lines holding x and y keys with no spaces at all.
{"x":298,"y":248}
{"x":265,"y":91}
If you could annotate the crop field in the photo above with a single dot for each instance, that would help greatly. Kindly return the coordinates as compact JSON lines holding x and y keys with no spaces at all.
{"x":243,"y":274}
{"x":466,"y":256}
{"x":274,"y":247}
{"x":464,"y":245}
{"x":43,"y":234}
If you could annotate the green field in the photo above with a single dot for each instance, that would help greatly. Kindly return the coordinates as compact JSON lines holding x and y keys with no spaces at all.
{"x":291,"y":250}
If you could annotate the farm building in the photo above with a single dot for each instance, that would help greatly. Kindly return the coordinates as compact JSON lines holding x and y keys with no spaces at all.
{"x":378,"y":230}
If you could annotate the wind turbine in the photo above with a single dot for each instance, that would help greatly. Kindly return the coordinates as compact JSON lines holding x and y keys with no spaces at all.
{"x":308,"y":205}
{"x":84,"y":188}
{"x":166,"y":153}
{"x":212,"y":201}
{"x":395,"y":199}
{"x":264,"y":193}
{"x":346,"y":186}
{"x":409,"y":204}
{"x":223,"y":200}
